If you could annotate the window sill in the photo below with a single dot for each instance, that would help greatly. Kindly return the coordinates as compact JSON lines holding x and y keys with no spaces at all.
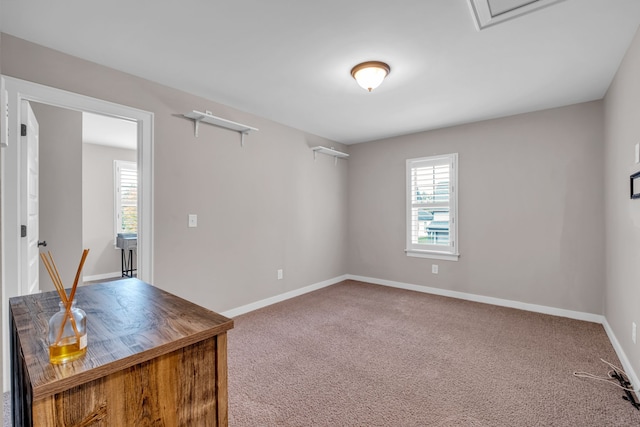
{"x":432,"y":255}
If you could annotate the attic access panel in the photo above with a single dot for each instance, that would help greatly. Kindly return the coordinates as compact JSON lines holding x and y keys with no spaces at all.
{"x":490,"y":12}
{"x":498,"y":7}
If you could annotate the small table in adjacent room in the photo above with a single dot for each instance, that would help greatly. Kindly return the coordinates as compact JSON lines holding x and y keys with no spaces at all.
{"x":152,"y":359}
{"x":128,"y":243}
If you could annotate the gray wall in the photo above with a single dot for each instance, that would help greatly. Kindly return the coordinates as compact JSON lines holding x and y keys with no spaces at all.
{"x":532,"y":191}
{"x":260,"y":208}
{"x":531,"y":199}
{"x":60,"y":189}
{"x":98,"y":207}
{"x":622,"y":132}
{"x":530,"y":208}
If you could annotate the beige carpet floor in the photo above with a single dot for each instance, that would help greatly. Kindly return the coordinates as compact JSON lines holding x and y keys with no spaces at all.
{"x":357,"y":354}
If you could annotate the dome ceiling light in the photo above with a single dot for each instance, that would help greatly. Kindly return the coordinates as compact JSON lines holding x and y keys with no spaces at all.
{"x":370,"y":74}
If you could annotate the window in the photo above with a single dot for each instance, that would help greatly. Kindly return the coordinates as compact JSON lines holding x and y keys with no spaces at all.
{"x":126,"y":197}
{"x":432,"y":207}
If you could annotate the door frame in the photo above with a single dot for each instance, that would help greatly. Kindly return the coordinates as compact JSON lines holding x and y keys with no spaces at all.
{"x":17,"y":90}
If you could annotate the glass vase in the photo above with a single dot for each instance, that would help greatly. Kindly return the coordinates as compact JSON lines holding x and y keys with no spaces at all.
{"x":67,"y":334}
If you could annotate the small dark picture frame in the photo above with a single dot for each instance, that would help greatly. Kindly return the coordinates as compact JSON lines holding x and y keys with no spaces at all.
{"x":634,"y":185}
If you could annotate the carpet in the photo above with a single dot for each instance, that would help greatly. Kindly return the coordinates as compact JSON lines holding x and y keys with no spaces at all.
{"x":357,"y":354}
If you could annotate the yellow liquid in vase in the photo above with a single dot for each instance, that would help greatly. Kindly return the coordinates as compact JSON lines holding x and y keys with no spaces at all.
{"x":68,"y":350}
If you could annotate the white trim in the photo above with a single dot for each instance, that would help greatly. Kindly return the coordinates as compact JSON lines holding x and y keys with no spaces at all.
{"x":102,"y":276}
{"x":432,"y":255}
{"x":421,"y":250}
{"x":282,"y":297}
{"x":18,"y":90}
{"x":578,"y":315}
{"x":483,"y":17}
{"x":626,"y":365}
{"x":118,"y":167}
{"x":21,"y":89}
{"x":4,"y":100}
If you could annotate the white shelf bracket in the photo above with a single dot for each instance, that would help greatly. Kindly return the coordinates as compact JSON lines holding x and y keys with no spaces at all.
{"x":314,"y":155}
{"x":242,"y":134}
{"x":196,"y":124}
{"x":335,"y":163}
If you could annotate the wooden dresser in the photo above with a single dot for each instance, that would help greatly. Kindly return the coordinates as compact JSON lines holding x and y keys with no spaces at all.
{"x":153,"y":359}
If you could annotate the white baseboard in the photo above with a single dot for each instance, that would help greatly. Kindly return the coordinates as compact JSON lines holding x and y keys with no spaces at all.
{"x":101,"y":276}
{"x":626,"y":365}
{"x":282,"y":297}
{"x":578,"y":315}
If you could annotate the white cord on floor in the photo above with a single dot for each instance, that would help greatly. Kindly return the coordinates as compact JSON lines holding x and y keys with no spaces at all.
{"x":609,"y":378}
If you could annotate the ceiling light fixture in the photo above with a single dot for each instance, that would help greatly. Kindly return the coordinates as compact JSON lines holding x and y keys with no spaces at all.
{"x":370,"y":74}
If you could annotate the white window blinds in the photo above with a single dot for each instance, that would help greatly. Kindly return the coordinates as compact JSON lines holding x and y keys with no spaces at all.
{"x":126,"y":197}
{"x":432,"y":207}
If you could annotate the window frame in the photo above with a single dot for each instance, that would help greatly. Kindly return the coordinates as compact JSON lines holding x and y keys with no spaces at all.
{"x":118,"y":165}
{"x":450,"y":252}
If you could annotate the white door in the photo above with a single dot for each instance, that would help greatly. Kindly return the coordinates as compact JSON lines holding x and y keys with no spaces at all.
{"x":30,"y":199}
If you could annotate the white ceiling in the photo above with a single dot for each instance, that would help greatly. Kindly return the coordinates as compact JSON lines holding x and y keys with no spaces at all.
{"x":110,"y":131}
{"x":289,"y":61}
{"x":499,"y":7}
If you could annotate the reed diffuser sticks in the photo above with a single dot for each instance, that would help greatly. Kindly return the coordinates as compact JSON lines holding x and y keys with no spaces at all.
{"x":67,"y":301}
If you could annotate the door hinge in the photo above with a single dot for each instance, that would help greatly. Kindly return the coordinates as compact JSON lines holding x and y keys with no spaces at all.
{"x":23,"y":130}
{"x":23,"y":231}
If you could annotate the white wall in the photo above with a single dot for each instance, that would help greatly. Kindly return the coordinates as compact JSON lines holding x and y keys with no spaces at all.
{"x":622,"y":218}
{"x":98,"y":208}
{"x":530,"y":209}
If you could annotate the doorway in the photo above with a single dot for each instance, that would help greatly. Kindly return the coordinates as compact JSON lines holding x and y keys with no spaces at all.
{"x":13,"y":212}
{"x":109,"y":192}
{"x":78,"y":206}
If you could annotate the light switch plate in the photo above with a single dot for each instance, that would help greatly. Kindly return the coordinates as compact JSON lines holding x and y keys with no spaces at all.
{"x":193,"y":220}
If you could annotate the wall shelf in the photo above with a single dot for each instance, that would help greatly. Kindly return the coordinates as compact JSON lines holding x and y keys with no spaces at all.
{"x":198,"y":116}
{"x":329,"y":152}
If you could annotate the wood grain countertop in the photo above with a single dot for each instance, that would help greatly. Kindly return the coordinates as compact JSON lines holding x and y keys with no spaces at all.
{"x":128,"y":322}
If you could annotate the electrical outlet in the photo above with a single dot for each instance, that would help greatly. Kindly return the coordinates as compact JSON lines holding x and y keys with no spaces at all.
{"x":633,"y":332}
{"x":434,"y":268}
{"x":280,"y":274}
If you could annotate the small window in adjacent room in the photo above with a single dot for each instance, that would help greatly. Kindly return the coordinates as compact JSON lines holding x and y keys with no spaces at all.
{"x":432,"y":200}
{"x":125,"y":197}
